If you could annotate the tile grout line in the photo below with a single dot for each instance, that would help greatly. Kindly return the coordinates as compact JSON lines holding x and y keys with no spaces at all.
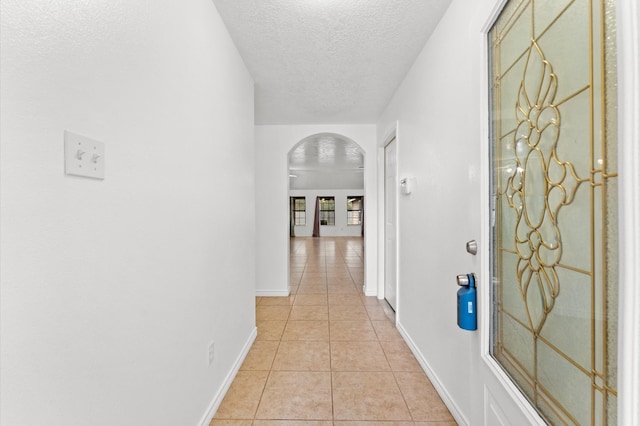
{"x":326,"y":295}
{"x":333,"y":405}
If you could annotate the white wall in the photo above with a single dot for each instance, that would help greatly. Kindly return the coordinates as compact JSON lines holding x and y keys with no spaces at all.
{"x":340,"y":229}
{"x":112,"y":290}
{"x":439,"y":144}
{"x":334,"y":179}
{"x":273,"y":144}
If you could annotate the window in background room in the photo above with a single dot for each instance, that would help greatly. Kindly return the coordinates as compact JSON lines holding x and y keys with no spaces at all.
{"x":354,"y":210}
{"x":299,"y":211}
{"x":327,"y":211}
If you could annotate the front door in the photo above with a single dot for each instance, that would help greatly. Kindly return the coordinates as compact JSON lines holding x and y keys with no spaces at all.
{"x":553,"y":225}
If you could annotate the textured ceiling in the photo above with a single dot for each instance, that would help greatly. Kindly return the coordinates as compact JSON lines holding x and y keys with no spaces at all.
{"x":326,"y":151}
{"x":327,"y":61}
{"x":326,"y":161}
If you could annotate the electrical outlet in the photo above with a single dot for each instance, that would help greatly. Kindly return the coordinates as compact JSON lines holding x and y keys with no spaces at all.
{"x":211,"y":352}
{"x":83,"y":156}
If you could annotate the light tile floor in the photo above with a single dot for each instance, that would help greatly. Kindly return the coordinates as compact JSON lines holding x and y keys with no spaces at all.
{"x":328,"y":355}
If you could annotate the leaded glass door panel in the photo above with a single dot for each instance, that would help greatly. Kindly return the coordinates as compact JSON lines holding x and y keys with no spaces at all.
{"x":554,"y":229}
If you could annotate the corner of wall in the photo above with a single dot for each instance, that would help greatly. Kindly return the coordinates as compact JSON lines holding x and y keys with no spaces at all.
{"x":226,"y":384}
{"x":448,"y":400}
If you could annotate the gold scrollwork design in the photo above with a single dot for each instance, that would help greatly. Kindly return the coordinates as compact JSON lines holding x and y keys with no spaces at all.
{"x":537,"y":187}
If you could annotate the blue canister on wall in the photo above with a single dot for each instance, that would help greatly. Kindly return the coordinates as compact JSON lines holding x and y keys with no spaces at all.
{"x":467,"y":312}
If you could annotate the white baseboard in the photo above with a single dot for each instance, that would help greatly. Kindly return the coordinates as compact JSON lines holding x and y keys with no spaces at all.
{"x":219,"y":396}
{"x":437,"y":384}
{"x":273,"y":293}
{"x":369,"y":291}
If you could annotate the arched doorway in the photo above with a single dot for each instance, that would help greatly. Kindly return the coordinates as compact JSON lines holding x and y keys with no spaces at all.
{"x":326,"y":200}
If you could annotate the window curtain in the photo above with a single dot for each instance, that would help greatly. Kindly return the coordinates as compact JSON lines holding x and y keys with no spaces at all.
{"x":316,"y":219}
{"x":362,"y":213}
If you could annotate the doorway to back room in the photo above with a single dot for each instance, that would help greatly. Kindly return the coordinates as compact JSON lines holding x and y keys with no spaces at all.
{"x":326,"y":194}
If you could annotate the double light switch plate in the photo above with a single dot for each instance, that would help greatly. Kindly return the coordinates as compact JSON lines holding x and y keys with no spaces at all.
{"x":83,"y":156}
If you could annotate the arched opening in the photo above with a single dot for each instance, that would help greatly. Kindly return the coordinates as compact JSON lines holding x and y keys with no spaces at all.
{"x":326,"y":206}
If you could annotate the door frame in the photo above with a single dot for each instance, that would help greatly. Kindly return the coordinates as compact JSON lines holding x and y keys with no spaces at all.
{"x":391,"y":132}
{"x":628,"y":45}
{"x":392,"y":139}
{"x":628,"y":36}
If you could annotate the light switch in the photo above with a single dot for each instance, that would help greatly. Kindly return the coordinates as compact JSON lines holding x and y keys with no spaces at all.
{"x":83,"y":156}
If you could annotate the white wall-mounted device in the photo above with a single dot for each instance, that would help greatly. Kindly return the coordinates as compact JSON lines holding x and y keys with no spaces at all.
{"x":406,"y":185}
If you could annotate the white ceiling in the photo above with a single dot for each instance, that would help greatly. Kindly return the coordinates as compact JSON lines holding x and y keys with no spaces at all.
{"x":327,"y":61}
{"x":326,"y":161}
{"x":326,"y":151}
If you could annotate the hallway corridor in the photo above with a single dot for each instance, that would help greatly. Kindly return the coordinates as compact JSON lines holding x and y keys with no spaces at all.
{"x":328,"y":355}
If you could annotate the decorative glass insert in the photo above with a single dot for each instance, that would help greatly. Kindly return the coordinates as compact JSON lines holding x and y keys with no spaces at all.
{"x":354,"y":210}
{"x":554,"y":216}
{"x":327,"y":211}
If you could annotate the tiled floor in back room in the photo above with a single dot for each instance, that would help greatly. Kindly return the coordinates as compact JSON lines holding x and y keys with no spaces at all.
{"x":328,"y":355}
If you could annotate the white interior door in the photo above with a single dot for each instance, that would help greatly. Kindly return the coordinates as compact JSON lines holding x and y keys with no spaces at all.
{"x":390,"y":223}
